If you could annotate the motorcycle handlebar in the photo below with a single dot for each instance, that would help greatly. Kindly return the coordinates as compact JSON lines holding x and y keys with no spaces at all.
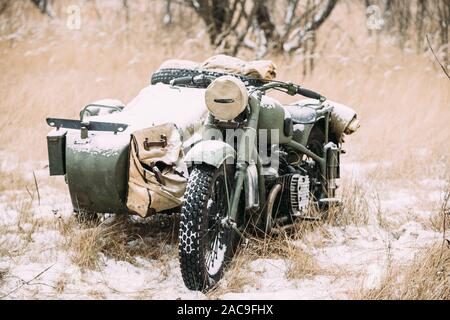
{"x":309,"y":93}
{"x":292,"y":89}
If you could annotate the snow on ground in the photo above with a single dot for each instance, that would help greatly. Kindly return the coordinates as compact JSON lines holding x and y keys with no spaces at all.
{"x":35,"y":265}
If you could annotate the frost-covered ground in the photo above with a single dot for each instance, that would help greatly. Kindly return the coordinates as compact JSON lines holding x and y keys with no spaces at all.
{"x":37,"y":263}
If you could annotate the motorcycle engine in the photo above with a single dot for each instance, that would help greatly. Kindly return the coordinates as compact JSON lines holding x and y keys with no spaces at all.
{"x":294,"y":198}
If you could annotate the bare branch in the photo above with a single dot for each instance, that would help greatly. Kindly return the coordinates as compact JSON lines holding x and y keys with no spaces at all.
{"x":168,"y":15}
{"x":229,"y":23}
{"x":244,"y":32}
{"x":232,"y":26}
{"x":24,"y":283}
{"x":37,"y":188}
{"x":264,"y":20}
{"x":313,"y":25}
{"x":44,"y":7}
{"x":289,"y":18}
{"x":437,"y":59}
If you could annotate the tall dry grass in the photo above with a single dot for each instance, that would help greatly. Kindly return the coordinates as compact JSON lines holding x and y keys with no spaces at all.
{"x":427,"y":278}
{"x":120,"y":239}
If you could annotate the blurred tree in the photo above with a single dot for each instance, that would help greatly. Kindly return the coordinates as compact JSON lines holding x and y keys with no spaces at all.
{"x":127,"y":11}
{"x":168,"y":14}
{"x":3,"y":5}
{"x":262,"y":25}
{"x":44,"y":6}
{"x":291,"y":26}
{"x":411,"y":20}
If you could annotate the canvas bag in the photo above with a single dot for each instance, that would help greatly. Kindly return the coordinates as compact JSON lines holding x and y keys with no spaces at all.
{"x":157,"y":173}
{"x":261,"y":69}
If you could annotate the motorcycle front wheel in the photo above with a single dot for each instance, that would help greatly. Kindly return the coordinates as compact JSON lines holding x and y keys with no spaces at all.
{"x":206,"y":246}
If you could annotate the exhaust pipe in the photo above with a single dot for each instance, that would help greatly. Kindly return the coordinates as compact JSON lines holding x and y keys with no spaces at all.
{"x":270,"y":202}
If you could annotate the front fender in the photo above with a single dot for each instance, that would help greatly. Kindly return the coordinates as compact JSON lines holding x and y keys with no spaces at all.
{"x":212,"y":152}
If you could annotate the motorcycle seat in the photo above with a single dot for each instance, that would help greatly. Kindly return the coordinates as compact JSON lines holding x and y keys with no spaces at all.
{"x":301,"y":114}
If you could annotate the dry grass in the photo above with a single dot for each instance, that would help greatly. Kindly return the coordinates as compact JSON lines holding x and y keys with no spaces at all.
{"x":3,"y":274}
{"x":235,"y":279}
{"x":355,"y":207}
{"x":440,"y":221}
{"x":300,"y":264}
{"x":60,"y":285}
{"x":428,"y":278}
{"x":20,"y":235}
{"x":118,"y":239}
{"x":97,"y":295}
{"x":11,"y":180}
{"x":86,"y":247}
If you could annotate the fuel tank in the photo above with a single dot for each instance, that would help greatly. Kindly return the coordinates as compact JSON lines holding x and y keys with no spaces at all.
{"x":273,"y":116}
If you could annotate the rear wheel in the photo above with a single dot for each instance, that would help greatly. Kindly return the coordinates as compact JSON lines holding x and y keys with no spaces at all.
{"x":205,"y":245}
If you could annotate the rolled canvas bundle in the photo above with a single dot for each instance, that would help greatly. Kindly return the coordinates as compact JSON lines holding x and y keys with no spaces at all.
{"x":344,"y":120}
{"x":260,"y":69}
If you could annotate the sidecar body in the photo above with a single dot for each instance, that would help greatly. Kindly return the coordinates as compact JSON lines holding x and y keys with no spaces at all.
{"x":93,"y":153}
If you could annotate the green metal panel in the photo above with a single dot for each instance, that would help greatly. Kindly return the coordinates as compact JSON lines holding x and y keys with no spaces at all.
{"x":56,"y":147}
{"x":97,"y":172}
{"x":212,"y":152}
{"x":302,"y":132}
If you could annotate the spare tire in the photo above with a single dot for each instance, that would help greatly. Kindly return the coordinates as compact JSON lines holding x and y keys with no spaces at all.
{"x":166,"y":75}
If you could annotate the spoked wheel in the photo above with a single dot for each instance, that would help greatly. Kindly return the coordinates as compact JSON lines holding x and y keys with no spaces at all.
{"x":206,"y":246}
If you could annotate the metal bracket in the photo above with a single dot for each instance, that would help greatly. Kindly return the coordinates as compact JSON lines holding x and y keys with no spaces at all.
{"x":89,"y":125}
{"x":161,"y":143}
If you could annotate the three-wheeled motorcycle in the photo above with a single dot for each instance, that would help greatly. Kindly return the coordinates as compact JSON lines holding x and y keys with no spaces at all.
{"x":208,"y":141}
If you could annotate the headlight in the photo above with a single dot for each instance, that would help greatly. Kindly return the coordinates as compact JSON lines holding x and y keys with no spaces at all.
{"x":226,"y":97}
